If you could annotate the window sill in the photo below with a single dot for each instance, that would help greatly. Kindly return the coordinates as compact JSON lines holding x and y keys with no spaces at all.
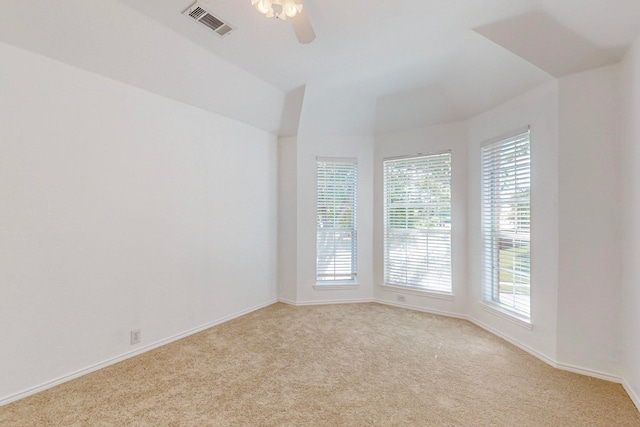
{"x":336,"y":286}
{"x":505,"y":314}
{"x":417,"y":291}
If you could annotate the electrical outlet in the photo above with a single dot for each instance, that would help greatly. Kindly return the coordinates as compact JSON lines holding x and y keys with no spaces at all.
{"x":135,"y":336}
{"x":401,"y":298}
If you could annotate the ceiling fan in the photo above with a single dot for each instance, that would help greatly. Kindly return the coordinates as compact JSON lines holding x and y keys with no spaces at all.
{"x":291,"y":9}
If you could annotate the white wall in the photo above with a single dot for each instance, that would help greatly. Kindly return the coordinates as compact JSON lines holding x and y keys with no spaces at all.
{"x":336,"y":111}
{"x":114,"y":216}
{"x":121,"y":209}
{"x":575,"y":236}
{"x":427,"y":140}
{"x":115,"y":40}
{"x":630,"y":225}
{"x":589,"y":264}
{"x":309,"y":148}
{"x":287,"y":219}
{"x":537,"y":108}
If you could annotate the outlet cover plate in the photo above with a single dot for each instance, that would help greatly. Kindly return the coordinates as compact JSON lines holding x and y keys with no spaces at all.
{"x":135,"y":336}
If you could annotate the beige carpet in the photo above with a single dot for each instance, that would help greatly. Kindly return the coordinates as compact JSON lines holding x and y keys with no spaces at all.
{"x":340,"y":365}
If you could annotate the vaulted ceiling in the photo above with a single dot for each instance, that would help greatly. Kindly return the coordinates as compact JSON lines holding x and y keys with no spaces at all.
{"x":375,"y":65}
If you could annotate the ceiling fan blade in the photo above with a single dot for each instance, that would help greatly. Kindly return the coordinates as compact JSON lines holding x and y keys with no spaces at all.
{"x":302,"y":27}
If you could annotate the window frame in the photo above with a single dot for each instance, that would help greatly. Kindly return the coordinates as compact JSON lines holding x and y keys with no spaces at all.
{"x":350,"y":278}
{"x":491,"y":262}
{"x":435,"y":287}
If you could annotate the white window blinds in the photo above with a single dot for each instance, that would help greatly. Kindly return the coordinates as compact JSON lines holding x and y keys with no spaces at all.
{"x":336,"y":237}
{"x":506,"y":221}
{"x":417,"y":222}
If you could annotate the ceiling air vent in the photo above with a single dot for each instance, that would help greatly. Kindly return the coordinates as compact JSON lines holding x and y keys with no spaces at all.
{"x":203,"y":16}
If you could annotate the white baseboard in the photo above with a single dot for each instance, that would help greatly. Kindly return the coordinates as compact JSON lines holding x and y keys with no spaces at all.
{"x":325,"y":302}
{"x":548,"y":360}
{"x":423,"y":309}
{"x":114,"y":360}
{"x":635,"y":398}
{"x":632,"y":393}
{"x":589,"y":372}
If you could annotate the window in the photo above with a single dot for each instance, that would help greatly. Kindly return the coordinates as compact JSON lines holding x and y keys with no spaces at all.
{"x":417,"y":222}
{"x":336,"y":237}
{"x":506,"y":220}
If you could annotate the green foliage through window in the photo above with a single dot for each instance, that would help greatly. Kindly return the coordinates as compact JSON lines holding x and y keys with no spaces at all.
{"x":506,"y":223}
{"x":336,"y":236}
{"x":417,"y":222}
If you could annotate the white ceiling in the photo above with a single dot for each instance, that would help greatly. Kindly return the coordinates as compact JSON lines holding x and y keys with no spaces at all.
{"x":375,"y":64}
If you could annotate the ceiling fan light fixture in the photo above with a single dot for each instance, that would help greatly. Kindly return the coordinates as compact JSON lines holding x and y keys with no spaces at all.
{"x":292,"y":9}
{"x":263,"y":6}
{"x":281,"y":9}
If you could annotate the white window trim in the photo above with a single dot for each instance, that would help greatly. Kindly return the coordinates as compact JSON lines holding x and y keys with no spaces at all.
{"x":490,"y":305}
{"x":342,"y":284}
{"x":511,"y":316}
{"x":336,"y":286}
{"x":411,"y":289}
{"x":400,"y":289}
